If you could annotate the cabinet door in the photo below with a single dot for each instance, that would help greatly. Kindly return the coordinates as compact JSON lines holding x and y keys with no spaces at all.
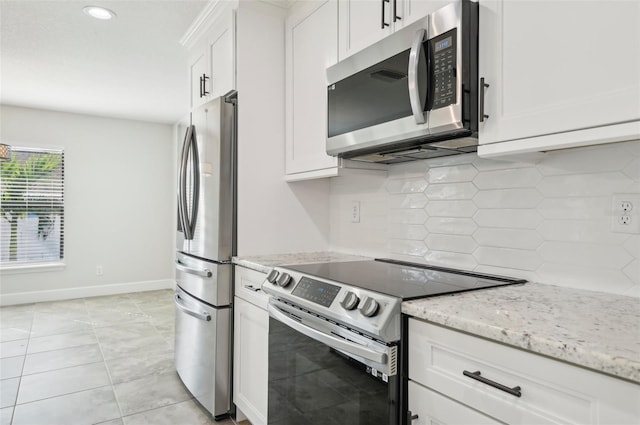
{"x":360,"y":24}
{"x":221,"y":49}
{"x":250,"y":369}
{"x":409,"y":11}
{"x":432,"y":408}
{"x":558,"y":66}
{"x":198,"y":66}
{"x":311,"y":47}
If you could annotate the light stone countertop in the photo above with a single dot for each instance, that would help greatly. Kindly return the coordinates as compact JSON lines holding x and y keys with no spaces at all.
{"x":264,"y":263}
{"x":596,"y":330}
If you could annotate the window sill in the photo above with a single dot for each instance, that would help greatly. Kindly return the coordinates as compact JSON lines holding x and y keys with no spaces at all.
{"x":31,"y":268}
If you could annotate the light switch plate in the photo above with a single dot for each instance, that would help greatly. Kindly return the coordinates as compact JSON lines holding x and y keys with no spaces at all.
{"x":355,"y":212}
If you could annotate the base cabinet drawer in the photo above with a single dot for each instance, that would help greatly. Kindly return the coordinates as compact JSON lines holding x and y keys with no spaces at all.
{"x":427,"y":407}
{"x":513,"y":385}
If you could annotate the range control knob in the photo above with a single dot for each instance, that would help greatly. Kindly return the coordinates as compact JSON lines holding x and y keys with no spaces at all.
{"x":350,"y":301}
{"x":283,"y":280}
{"x":272,"y":276}
{"x":369,"y":307}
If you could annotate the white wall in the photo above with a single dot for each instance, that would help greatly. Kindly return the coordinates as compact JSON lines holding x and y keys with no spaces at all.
{"x":273,"y":216}
{"x":119,"y":204}
{"x":547,"y":222}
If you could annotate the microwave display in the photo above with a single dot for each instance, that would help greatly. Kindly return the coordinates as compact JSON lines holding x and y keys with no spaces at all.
{"x":443,"y":51}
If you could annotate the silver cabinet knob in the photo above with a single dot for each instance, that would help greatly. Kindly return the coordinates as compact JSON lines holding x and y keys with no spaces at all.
{"x":283,"y":280}
{"x":350,"y":301}
{"x":369,"y":307}
{"x":272,"y":276}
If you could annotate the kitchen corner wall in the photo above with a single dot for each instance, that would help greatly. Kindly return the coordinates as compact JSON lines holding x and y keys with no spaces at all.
{"x":548,"y":221}
{"x":119,"y":204}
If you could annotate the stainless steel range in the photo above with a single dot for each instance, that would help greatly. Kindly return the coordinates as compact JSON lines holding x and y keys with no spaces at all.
{"x":335,"y":333}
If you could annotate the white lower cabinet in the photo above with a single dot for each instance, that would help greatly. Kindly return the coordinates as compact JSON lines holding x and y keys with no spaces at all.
{"x":251,"y":346}
{"x":535,"y":389}
{"x":429,"y":407}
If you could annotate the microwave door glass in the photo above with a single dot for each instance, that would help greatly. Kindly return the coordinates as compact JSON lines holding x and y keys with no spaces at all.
{"x":375,"y":95}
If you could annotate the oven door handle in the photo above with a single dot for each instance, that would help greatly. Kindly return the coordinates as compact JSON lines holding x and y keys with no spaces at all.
{"x":331,"y":341}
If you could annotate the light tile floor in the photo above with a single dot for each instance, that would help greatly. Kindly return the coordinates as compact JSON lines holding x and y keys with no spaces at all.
{"x":103,"y":360}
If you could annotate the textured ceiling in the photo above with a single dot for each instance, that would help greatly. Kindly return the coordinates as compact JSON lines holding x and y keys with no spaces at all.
{"x":53,"y":56}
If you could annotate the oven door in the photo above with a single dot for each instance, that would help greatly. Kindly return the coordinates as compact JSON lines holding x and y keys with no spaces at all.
{"x":314,"y":378}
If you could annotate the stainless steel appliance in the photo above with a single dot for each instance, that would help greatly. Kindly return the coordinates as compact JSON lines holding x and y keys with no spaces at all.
{"x":205,"y":244}
{"x":336,"y":337}
{"x":412,"y":95}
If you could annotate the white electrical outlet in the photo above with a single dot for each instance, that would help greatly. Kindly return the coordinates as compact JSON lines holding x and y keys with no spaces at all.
{"x":625,"y":216}
{"x":355,"y":212}
{"x":98,"y":270}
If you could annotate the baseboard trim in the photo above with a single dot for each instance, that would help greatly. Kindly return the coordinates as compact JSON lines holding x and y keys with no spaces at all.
{"x":84,"y":291}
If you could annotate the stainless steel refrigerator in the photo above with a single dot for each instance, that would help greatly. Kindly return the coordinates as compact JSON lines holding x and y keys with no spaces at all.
{"x":206,"y":241}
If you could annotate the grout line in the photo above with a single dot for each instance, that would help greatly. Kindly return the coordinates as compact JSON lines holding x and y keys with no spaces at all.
{"x":15,"y":401}
{"x":106,"y":366}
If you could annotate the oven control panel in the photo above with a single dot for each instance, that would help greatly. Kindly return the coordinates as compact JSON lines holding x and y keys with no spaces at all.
{"x":376,"y":314}
{"x":321,"y":293}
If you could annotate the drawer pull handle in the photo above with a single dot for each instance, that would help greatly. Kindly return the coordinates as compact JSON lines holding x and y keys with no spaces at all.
{"x":476,"y":375}
{"x":411,"y":417}
{"x":252,"y":288}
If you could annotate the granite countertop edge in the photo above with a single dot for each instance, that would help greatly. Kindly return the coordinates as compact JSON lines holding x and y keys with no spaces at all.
{"x":584,"y":339}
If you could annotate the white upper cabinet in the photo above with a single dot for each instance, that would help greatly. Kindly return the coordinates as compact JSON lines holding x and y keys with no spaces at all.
{"x":363,"y":22}
{"x":311,"y":47}
{"x":559,"y":73}
{"x":198,"y":70}
{"x":221,"y":48}
{"x":212,"y":59}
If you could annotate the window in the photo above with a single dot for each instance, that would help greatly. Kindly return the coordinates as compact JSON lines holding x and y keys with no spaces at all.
{"x":32,"y":207}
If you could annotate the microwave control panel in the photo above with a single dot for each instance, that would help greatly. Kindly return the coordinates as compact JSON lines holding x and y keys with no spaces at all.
{"x":443,"y":50}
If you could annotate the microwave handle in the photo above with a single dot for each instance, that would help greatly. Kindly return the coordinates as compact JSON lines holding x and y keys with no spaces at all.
{"x":414,"y":89}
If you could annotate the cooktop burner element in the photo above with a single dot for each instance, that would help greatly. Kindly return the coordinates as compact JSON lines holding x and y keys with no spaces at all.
{"x":366,"y":296}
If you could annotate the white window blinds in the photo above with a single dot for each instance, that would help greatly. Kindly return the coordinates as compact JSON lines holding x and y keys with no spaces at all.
{"x":32,"y":207}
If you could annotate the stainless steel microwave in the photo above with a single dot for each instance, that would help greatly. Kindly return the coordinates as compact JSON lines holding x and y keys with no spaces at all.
{"x":413,"y":95}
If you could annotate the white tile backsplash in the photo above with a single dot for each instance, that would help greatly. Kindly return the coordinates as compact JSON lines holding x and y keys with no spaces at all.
{"x":547,"y":221}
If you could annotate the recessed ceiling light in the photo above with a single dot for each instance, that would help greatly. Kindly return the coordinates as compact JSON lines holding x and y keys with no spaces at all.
{"x":99,"y":12}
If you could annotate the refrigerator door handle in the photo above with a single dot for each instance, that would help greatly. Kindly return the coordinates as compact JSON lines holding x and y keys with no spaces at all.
{"x":182,"y":185}
{"x":195,"y":164}
{"x":198,"y":272}
{"x":182,"y":307}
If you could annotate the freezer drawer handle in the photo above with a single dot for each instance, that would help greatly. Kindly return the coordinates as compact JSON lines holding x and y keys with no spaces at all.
{"x":202,"y":316}
{"x":199,"y":272}
{"x":515,"y":391}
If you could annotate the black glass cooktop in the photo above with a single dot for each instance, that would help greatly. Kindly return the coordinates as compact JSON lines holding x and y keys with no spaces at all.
{"x":402,"y":279}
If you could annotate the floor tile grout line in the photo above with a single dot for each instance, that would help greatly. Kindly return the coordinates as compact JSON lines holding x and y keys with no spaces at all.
{"x":15,"y":401}
{"x":62,"y":368}
{"x":60,"y":395}
{"x":62,"y":348}
{"x":191,"y":398}
{"x":106,"y":366}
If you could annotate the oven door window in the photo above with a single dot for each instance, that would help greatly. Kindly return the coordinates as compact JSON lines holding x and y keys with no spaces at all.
{"x":311,"y":383}
{"x":373,"y":96}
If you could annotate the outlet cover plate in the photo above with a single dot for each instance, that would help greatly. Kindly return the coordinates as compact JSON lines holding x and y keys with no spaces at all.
{"x":625,"y":213}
